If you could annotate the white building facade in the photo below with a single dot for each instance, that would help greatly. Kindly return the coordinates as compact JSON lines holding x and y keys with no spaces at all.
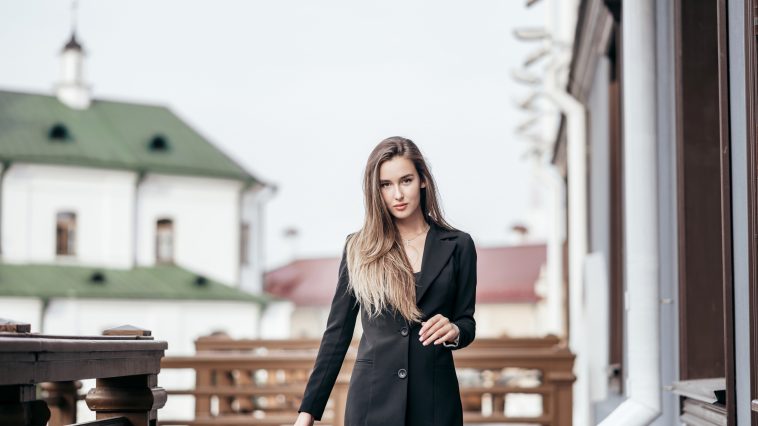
{"x":95,"y":194}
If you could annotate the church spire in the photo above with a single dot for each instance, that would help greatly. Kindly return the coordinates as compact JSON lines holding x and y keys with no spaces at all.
{"x":71,"y":89}
{"x":73,"y":43}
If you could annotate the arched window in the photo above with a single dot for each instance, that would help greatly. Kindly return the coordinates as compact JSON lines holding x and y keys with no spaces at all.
{"x":65,"y":234}
{"x":164,"y":241}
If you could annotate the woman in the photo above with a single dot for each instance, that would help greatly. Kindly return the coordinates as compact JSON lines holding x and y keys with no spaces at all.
{"x":413,"y":276}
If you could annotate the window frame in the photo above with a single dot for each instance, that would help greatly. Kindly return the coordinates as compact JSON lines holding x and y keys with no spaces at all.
{"x":66,"y":223}
{"x":165,"y":223}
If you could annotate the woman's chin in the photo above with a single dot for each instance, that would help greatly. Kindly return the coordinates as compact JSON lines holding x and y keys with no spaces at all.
{"x":401,"y":215}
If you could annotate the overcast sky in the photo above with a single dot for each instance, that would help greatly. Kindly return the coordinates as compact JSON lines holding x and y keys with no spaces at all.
{"x":300,"y":91}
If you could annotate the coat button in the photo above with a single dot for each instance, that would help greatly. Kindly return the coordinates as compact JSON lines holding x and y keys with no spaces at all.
{"x":402,"y":373}
{"x":404,"y":331}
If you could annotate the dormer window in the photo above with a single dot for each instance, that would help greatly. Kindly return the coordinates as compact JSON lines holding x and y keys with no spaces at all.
{"x":65,"y":234}
{"x":158,"y":143}
{"x":164,"y":241}
{"x":59,"y":133}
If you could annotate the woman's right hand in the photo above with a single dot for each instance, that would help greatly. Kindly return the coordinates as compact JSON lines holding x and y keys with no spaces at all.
{"x":304,"y":419}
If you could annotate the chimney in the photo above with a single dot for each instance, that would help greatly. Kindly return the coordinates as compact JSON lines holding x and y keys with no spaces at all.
{"x":521,"y":232}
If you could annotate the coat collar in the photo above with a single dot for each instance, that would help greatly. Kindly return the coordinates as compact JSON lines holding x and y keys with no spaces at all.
{"x":438,"y":247}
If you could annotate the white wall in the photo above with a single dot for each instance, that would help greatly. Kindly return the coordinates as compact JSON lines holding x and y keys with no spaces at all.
{"x":32,"y":196}
{"x":22,"y":309}
{"x":206,"y":220}
{"x":178,"y":322}
{"x":252,"y":211}
{"x":511,"y":319}
{"x":276,"y":320}
{"x":205,"y":211}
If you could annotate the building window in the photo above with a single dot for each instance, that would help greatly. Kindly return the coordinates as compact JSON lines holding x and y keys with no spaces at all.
{"x":164,"y":241}
{"x":244,"y":243}
{"x":65,"y":234}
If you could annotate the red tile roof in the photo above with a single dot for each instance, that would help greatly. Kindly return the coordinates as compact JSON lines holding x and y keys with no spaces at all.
{"x":509,"y":274}
{"x":504,"y":275}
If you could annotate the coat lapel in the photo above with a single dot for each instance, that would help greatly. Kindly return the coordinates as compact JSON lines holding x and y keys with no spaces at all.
{"x":438,"y":248}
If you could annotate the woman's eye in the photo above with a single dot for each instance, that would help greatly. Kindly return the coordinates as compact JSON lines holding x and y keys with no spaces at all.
{"x":408,"y":181}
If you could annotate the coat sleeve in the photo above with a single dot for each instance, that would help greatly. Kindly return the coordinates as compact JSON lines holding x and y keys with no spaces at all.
{"x":465,"y":299}
{"x":334,"y":344}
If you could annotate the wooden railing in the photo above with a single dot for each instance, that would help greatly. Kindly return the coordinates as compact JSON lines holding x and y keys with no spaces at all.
{"x":124,"y":361}
{"x":261,"y":382}
{"x":222,"y":342}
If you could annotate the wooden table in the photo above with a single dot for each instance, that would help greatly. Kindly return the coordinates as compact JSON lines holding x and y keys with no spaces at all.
{"x":125,"y":363}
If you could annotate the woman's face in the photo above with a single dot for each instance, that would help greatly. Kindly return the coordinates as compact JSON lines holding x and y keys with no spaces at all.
{"x":400,"y":186}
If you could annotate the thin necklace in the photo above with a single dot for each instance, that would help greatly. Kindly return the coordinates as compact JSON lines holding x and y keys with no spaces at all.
{"x":417,"y":235}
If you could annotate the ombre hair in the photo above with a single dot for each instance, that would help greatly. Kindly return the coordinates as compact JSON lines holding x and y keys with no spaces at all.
{"x":381,"y":276}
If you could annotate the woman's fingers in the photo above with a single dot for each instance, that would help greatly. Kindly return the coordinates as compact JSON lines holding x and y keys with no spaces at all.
{"x":435,"y":331}
{"x":429,"y":323}
{"x":450,"y":335}
{"x":430,"y":326}
{"x":442,"y":331}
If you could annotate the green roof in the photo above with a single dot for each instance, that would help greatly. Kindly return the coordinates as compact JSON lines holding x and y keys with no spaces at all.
{"x":108,"y":134}
{"x":156,"y":282}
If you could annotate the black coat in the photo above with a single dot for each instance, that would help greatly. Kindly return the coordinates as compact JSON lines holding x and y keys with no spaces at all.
{"x":392,"y":368}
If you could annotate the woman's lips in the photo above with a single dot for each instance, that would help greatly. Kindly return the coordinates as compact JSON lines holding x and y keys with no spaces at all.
{"x":401,"y":206}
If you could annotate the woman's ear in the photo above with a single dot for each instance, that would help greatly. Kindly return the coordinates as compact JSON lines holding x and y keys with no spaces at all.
{"x":423,"y":184}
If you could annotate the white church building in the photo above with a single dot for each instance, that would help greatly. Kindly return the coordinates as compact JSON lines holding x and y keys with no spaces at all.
{"x":118,"y":213}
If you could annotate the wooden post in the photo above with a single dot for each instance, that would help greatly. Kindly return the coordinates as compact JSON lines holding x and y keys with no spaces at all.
{"x":244,"y":404}
{"x":548,"y":407}
{"x":224,"y":379}
{"x":498,"y":403}
{"x":19,"y":406}
{"x":563,"y":382}
{"x":136,"y":398}
{"x":202,"y":402}
{"x":270,"y":381}
{"x":61,"y":399}
{"x":18,"y":403}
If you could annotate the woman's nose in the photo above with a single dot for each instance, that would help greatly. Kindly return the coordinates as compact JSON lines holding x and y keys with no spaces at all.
{"x":398,"y":193}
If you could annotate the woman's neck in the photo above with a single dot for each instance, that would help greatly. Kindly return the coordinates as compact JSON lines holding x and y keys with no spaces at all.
{"x":411,"y":225}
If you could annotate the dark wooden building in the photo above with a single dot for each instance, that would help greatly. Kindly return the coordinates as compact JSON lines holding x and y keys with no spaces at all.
{"x":662,"y":139}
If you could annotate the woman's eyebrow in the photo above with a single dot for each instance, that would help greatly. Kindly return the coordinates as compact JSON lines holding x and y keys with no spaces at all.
{"x":401,"y":178}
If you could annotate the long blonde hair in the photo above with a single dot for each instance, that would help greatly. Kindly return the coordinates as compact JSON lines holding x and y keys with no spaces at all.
{"x":381,"y":275}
